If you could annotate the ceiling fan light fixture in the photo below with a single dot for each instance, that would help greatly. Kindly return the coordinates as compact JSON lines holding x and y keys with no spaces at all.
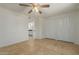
{"x":36,"y":9}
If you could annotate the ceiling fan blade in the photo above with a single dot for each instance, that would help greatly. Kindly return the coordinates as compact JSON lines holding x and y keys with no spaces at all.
{"x":40,"y":12}
{"x":30,"y":11}
{"x":24,"y":5}
{"x":45,"y":6}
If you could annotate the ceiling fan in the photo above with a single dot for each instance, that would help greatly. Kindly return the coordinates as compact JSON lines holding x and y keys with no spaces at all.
{"x":35,"y":7}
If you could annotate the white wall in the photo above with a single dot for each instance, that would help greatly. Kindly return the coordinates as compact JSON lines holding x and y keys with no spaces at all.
{"x":13,"y":27}
{"x":62,"y":27}
{"x":38,"y":26}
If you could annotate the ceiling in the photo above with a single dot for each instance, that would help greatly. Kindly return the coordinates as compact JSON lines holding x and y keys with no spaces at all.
{"x":55,"y":8}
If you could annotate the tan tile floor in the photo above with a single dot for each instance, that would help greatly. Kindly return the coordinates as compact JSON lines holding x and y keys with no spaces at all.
{"x":41,"y":47}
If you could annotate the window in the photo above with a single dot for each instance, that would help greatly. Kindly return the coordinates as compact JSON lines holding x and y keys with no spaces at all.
{"x":31,"y":25}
